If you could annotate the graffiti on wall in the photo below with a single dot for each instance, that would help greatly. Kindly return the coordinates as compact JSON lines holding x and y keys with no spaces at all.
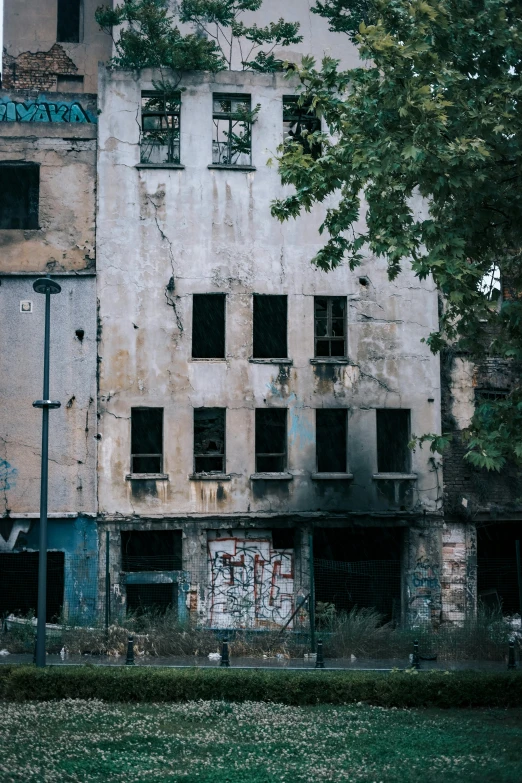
{"x":251,"y":584}
{"x":44,"y":111}
{"x":9,"y":537}
{"x":7,"y":475}
{"x":425,"y":592}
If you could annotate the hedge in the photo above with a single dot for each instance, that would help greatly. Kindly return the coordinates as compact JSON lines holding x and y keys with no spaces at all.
{"x":394,"y":689}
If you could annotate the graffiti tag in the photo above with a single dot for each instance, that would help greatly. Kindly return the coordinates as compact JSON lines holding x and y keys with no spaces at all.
{"x":44,"y":111}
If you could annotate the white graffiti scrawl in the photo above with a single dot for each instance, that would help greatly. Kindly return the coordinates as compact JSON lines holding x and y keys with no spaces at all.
{"x":251,"y":584}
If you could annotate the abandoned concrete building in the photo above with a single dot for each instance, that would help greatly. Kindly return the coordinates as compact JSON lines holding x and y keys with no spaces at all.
{"x":235,"y":423}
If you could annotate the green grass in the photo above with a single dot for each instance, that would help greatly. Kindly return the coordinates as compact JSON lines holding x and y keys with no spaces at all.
{"x":254,"y":742}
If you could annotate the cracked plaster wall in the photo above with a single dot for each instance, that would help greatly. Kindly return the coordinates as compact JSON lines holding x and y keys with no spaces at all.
{"x":211,"y":231}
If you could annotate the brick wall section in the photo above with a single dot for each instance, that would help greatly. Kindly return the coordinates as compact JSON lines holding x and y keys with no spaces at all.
{"x":458,"y":581}
{"x":36,"y":71}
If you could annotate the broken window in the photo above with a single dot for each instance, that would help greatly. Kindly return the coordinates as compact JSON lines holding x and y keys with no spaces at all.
{"x":209,"y":440}
{"x":269,"y":327}
{"x":147,"y":440}
{"x":19,"y":584}
{"x":151,"y":598}
{"x":160,"y":114}
{"x":151,"y":550}
{"x":298,"y":123}
{"x":283,"y":538}
{"x":489,"y":395}
{"x":270,"y":440}
{"x":330,"y":326}
{"x":330,"y":439}
{"x":19,"y":195}
{"x":393,"y":435}
{"x":68,"y":28}
{"x":232,"y":136}
{"x":208,"y":326}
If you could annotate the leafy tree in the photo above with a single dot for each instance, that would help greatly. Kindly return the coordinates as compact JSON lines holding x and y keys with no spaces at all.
{"x":434,"y":112}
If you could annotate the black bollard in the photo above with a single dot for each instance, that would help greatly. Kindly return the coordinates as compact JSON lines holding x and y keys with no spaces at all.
{"x":319,"y":661}
{"x":415,"y":658}
{"x":225,"y":660}
{"x":511,"y":655}
{"x":130,"y":652}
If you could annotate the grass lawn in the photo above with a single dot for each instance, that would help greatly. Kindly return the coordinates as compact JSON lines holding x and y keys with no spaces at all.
{"x":218,"y":742}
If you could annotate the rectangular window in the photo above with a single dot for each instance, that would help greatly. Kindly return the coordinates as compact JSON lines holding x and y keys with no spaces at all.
{"x":69,"y":13}
{"x":270,"y":314}
{"x":330,"y":439}
{"x":330,"y":326}
{"x":270,"y":440}
{"x":209,"y":440}
{"x":147,"y":440}
{"x":19,"y":195}
{"x":232,"y":135}
{"x":151,"y":550}
{"x":393,"y":435}
{"x":208,"y":326}
{"x":298,"y":123}
{"x":160,"y":114}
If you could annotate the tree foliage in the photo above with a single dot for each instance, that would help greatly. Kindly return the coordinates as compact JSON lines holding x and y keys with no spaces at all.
{"x":429,"y":130}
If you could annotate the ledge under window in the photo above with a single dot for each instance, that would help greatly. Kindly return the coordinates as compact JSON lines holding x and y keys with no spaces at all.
{"x":214,"y":359}
{"x":284,"y":476}
{"x":147,"y":477}
{"x":253,"y":360}
{"x":209,"y":477}
{"x":332,"y":476}
{"x":394,"y":476}
{"x":330,"y":360}
{"x":231,"y":168}
{"x":160,"y":166}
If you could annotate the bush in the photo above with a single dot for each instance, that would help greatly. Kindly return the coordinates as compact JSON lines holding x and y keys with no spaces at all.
{"x":395,"y":689}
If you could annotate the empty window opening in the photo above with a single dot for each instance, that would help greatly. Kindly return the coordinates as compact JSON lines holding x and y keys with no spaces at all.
{"x":160,"y":118}
{"x":66,"y":83}
{"x":19,"y":195}
{"x":152,"y":599}
{"x":147,"y":440}
{"x":69,"y":15}
{"x":358,"y":568}
{"x":497,"y":583}
{"x":208,"y":326}
{"x":270,"y":327}
{"x":283,"y":538}
{"x":270,"y":440}
{"x":298,"y":123}
{"x":489,"y":395}
{"x":232,"y":133}
{"x":330,"y":326}
{"x":209,"y":440}
{"x":19,"y":584}
{"x":393,"y":435}
{"x":151,"y":550}
{"x":330,"y":433}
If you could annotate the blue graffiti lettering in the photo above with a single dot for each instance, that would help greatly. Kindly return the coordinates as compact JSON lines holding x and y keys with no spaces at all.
{"x":7,"y":476}
{"x":42,"y":111}
{"x":57,"y":113}
{"x":25,"y":113}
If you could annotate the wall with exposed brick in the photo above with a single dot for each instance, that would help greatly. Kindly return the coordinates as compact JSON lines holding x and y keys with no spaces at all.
{"x":38,"y":71}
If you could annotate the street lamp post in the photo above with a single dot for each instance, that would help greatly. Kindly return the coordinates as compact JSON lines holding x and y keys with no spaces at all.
{"x":44,"y":285}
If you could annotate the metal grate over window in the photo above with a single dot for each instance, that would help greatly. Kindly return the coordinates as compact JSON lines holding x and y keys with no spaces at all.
{"x":298,"y":123}
{"x":330,"y":326}
{"x":232,"y":133}
{"x":160,"y":127}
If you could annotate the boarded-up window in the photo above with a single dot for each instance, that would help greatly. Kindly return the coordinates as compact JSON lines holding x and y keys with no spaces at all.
{"x":151,"y":550}
{"x":19,"y":195}
{"x":209,"y":440}
{"x":270,"y":440}
{"x":270,"y":327}
{"x":330,"y":436}
{"x":208,"y":326}
{"x":147,"y":440}
{"x":68,"y":28}
{"x":393,"y":435}
{"x":330,"y":326}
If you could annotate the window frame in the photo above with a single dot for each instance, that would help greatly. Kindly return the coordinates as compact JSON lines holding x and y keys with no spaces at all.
{"x":80,"y":23}
{"x":232,"y":118}
{"x":283,"y":454}
{"x":140,"y":455}
{"x":195,"y":455}
{"x":329,"y":337}
{"x":302,"y":117}
{"x":173,"y":134}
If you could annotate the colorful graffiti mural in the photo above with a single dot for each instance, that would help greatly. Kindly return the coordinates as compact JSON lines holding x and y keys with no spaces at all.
{"x":44,"y":111}
{"x":251,"y":585}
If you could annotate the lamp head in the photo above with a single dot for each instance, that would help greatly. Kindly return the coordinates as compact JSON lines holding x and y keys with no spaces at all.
{"x":45,"y":285}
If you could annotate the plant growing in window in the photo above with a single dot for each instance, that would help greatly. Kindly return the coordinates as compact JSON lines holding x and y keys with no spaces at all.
{"x":299,"y":123}
{"x":160,"y":115}
{"x":232,"y":136}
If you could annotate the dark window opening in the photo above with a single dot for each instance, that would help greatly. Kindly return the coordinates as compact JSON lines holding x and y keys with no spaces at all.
{"x":208,"y":326}
{"x":19,"y":584}
{"x":330,"y":326}
{"x":497,"y":583}
{"x":489,"y":395}
{"x":147,"y":440}
{"x":232,"y":136}
{"x":270,"y":440}
{"x":151,"y":598}
{"x":151,"y":550}
{"x":68,"y":29}
{"x":283,"y":538}
{"x":270,"y":319}
{"x":330,"y":433}
{"x":69,"y":83}
{"x":209,"y":440}
{"x":19,"y":195}
{"x":160,"y":121}
{"x":393,"y":435}
{"x":358,"y":568}
{"x":298,"y":123}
